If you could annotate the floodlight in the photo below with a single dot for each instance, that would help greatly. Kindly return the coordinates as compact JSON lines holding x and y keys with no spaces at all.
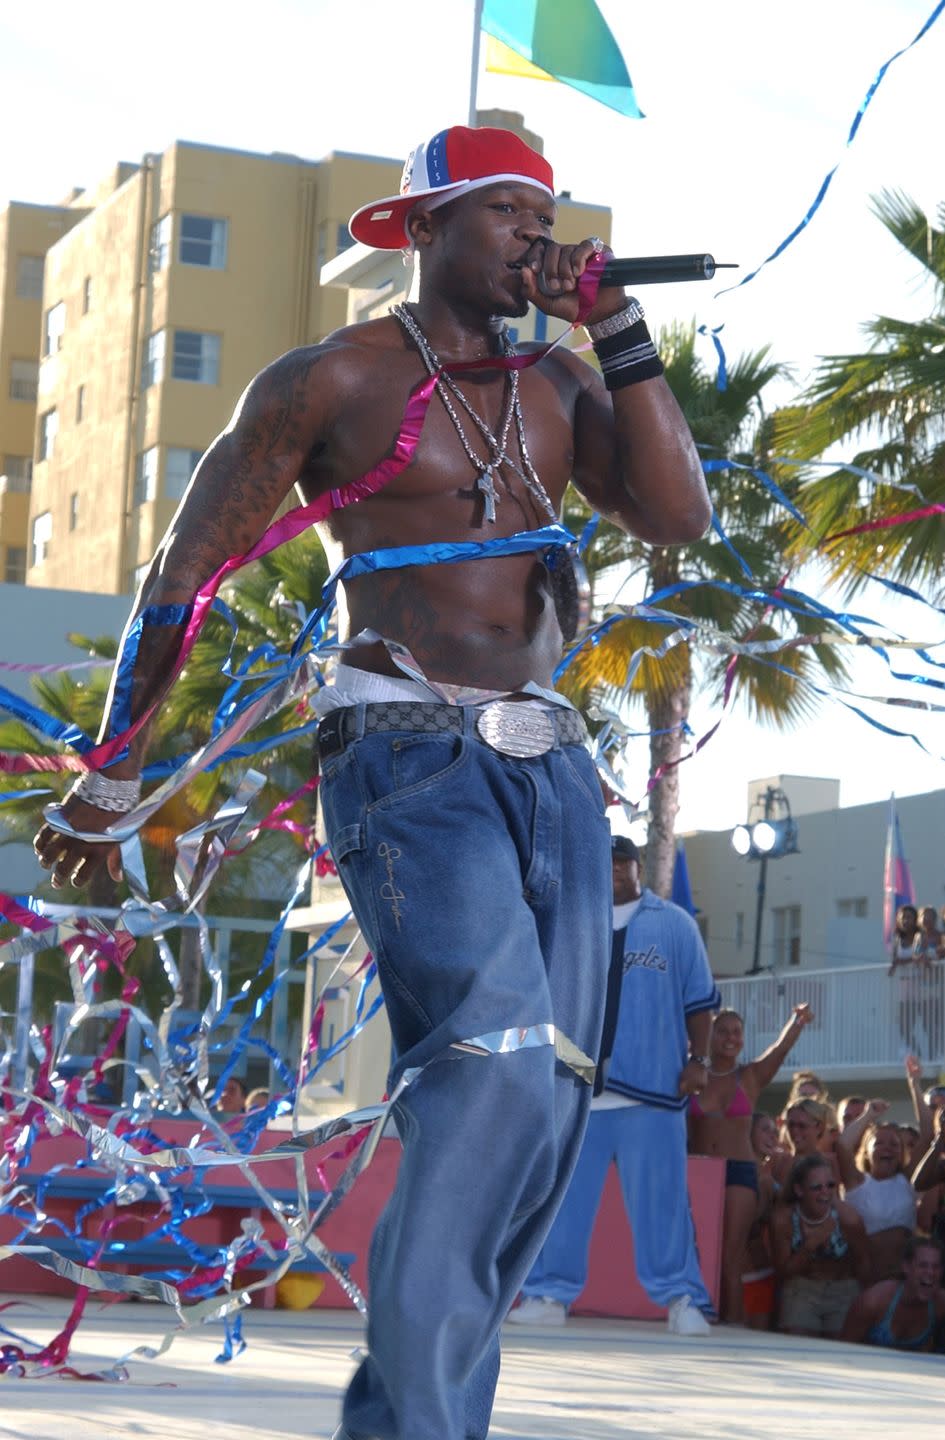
{"x":741,"y":840}
{"x":764,"y":837}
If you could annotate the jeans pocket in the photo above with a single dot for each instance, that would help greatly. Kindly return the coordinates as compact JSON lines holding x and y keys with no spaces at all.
{"x":397,"y":769}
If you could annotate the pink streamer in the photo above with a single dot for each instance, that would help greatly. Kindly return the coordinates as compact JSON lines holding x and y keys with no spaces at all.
{"x":868,"y":525}
{"x":274,"y":820}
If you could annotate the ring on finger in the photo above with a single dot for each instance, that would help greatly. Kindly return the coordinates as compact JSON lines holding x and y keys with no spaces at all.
{"x":597,"y":243}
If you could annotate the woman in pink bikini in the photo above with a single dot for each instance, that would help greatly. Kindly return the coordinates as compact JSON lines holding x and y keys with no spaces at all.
{"x":720,"y":1124}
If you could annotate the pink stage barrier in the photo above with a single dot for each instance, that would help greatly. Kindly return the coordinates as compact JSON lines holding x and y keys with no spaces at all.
{"x":612,"y":1288}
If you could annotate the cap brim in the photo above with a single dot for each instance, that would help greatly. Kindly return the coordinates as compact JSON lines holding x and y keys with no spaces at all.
{"x":383,"y":223}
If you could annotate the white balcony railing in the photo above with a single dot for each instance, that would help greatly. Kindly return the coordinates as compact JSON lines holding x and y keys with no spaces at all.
{"x":865,"y":1021}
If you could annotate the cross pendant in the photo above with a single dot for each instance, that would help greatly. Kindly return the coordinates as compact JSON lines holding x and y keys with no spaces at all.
{"x":486,"y":488}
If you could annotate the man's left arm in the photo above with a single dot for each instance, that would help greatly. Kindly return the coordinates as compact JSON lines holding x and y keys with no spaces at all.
{"x":700,"y":999}
{"x":695,"y":1073}
{"x":635,"y":460}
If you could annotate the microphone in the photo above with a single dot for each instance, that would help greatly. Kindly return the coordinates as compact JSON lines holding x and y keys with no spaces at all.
{"x":661,"y":269}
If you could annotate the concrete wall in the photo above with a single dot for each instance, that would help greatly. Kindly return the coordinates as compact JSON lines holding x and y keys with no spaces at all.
{"x":281,"y":212}
{"x":840,"y":859}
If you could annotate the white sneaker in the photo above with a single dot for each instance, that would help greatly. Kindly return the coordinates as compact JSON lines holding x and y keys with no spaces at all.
{"x":538,"y":1310}
{"x":685,"y":1319}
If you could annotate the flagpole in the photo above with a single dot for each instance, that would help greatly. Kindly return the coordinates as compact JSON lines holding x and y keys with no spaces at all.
{"x":474,"y":72}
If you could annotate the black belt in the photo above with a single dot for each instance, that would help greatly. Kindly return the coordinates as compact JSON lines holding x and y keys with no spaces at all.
{"x":509,"y":726}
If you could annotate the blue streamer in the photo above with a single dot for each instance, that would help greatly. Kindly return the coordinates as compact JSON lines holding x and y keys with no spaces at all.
{"x":721,"y":379}
{"x":710,"y":467}
{"x":825,"y":184}
{"x":717,"y":527}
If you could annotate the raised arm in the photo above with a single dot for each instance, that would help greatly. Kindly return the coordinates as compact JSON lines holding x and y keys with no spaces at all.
{"x":929,"y":1170}
{"x":237,"y":487}
{"x":763,"y":1070}
{"x":848,"y":1143}
{"x":923,"y":1115}
{"x":635,"y":460}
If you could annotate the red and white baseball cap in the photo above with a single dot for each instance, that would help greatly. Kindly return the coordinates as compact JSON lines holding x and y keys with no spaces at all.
{"x":453,"y":162}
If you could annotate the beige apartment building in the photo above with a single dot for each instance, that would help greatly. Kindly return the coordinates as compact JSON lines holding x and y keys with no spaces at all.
{"x":26,"y":233}
{"x":188,"y":273}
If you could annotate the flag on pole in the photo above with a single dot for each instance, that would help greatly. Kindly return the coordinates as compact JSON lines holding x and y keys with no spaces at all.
{"x":682,"y":890}
{"x":545,"y":40}
{"x":897,"y":880}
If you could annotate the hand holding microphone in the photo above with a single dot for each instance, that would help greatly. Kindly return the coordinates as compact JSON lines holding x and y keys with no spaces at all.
{"x":550,"y":273}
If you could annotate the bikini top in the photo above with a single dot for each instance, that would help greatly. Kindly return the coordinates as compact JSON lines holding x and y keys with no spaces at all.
{"x":737,"y":1107}
{"x":835,"y":1247}
{"x":882,"y":1332}
{"x":884,"y":1204}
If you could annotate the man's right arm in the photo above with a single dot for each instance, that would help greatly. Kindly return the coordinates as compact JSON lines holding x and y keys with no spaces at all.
{"x":236,"y":489}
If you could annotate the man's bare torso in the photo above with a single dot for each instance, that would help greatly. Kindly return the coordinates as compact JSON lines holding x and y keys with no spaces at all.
{"x":488,"y":622}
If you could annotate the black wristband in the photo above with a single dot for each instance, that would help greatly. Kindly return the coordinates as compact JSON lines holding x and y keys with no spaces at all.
{"x":628,"y":357}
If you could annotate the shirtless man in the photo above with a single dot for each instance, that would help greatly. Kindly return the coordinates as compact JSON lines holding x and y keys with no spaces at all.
{"x":480,"y":877}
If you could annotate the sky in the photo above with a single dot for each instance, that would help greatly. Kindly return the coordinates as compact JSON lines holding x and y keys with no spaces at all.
{"x":748,"y":104}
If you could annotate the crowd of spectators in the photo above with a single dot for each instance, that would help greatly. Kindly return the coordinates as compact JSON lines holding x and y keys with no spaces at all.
{"x":845,"y":1231}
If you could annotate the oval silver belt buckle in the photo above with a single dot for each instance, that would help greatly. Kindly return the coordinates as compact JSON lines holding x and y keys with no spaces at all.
{"x":516,"y":729}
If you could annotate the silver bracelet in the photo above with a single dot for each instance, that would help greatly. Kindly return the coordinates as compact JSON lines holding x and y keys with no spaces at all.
{"x":96,"y":789}
{"x":615,"y":323}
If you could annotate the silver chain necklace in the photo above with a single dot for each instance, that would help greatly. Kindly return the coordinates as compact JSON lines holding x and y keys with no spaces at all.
{"x":447,"y":389}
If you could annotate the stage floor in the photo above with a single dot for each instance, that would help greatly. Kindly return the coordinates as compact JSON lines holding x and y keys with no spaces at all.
{"x":589,"y":1380}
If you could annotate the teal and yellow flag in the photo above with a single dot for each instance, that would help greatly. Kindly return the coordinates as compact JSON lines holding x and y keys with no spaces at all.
{"x":566,"y":40}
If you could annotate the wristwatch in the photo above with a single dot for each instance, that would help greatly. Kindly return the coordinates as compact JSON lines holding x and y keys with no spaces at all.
{"x":702,"y":1060}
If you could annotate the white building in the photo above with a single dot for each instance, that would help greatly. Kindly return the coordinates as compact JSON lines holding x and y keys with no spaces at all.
{"x":821,"y":935}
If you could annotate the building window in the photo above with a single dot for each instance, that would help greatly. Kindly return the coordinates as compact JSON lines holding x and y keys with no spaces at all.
{"x":54,"y":327}
{"x":853,"y":909}
{"x":14,"y":570}
{"x":24,"y":380}
{"x":179,"y":465}
{"x":80,"y":405}
{"x":146,"y":472}
{"x":48,"y":430}
{"x":160,"y":252}
{"x":153,"y":371}
{"x":86,"y":295}
{"x":73,"y":509}
{"x":40,"y":535}
{"x":29,"y":277}
{"x":787,"y":935}
{"x":196,"y":357}
{"x":18,"y":472}
{"x":344,"y":239}
{"x":203,"y":242}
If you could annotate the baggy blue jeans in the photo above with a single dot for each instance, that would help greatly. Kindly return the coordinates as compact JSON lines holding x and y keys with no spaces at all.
{"x":483,"y":886}
{"x":648,"y":1146}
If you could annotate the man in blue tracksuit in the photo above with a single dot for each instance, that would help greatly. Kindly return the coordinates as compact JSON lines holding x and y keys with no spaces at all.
{"x":660,"y":998}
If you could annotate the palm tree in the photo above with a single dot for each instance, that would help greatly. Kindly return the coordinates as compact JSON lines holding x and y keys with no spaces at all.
{"x":727,"y":424}
{"x":891,"y":397}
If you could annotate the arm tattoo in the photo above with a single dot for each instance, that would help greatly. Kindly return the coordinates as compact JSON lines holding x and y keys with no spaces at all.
{"x":236,"y":489}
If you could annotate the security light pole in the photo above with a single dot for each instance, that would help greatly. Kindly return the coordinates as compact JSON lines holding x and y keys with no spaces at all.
{"x":769,"y":797}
